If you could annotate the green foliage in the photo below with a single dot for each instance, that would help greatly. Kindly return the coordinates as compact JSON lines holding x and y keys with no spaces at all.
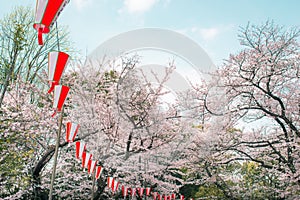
{"x":189,"y":190}
{"x":14,"y":160}
{"x":257,"y":182}
{"x":209,"y":191}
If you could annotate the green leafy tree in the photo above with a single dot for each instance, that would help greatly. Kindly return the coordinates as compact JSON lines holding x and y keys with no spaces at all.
{"x":20,"y":54}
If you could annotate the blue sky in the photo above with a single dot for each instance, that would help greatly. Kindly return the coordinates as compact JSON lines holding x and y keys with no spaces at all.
{"x":213,"y":24}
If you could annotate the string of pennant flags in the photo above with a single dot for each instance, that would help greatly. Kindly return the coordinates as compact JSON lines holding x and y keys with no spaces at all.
{"x":47,"y":11}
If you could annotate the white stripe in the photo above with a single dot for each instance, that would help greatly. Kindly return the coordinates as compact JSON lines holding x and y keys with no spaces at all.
{"x":87,"y":158}
{"x":93,"y":164}
{"x":115,"y":185}
{"x":82,"y":144}
{"x":72,"y":131}
{"x":40,"y":10}
{"x":57,"y":91}
{"x":110,"y":181}
{"x":53,"y":56}
{"x":66,"y":64}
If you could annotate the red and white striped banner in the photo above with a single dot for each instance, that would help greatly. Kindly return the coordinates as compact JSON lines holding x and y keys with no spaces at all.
{"x":85,"y":159}
{"x":60,"y":95}
{"x":124,"y":191}
{"x":156,"y":196}
{"x":71,"y":131}
{"x":148,"y":190}
{"x":112,"y":183}
{"x":45,"y":15}
{"x":115,"y":186}
{"x":91,"y":166}
{"x":56,"y":66}
{"x":80,"y":148}
{"x":99,"y":170}
{"x":167,"y":197}
{"x":173,"y":196}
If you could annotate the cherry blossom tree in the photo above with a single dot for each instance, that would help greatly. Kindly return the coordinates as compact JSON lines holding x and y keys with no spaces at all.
{"x":136,"y":136}
{"x":255,"y":116}
{"x":122,"y":121}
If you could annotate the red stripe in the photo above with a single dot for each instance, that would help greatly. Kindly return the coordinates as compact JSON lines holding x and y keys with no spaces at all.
{"x":53,"y":84}
{"x":51,"y":11}
{"x":63,"y":95}
{"x":54,"y":113}
{"x":78,"y":144}
{"x":113,"y":184}
{"x":61,"y":62}
{"x":83,"y":158}
{"x":99,"y":168}
{"x":40,"y":36}
{"x":173,"y":196}
{"x":108,"y":183}
{"x":90,"y":166}
{"x":124,"y":191}
{"x":148,"y":190}
{"x":68,"y":131}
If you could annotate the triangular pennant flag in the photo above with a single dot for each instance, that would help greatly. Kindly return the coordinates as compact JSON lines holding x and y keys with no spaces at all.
{"x":99,"y":170}
{"x":80,"y":148}
{"x":91,"y":166}
{"x":60,"y":95}
{"x":71,"y":131}
{"x":57,"y":62}
{"x":45,"y":15}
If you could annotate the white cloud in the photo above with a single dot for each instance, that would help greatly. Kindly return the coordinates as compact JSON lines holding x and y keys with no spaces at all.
{"x":205,"y":33}
{"x":139,"y":6}
{"x":209,"y":33}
